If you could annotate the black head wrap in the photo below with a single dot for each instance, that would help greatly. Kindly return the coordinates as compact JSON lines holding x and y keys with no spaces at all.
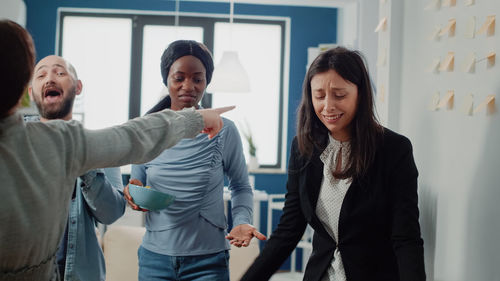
{"x":176,"y":50}
{"x":180,"y":48}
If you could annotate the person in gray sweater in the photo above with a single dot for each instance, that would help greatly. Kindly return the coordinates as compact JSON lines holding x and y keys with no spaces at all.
{"x":39,"y":162}
{"x":97,"y":195}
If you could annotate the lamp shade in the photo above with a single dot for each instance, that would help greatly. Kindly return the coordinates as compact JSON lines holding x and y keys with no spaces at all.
{"x":229,"y":75}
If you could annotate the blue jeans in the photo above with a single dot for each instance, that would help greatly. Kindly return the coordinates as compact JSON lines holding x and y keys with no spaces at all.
{"x":212,"y":267}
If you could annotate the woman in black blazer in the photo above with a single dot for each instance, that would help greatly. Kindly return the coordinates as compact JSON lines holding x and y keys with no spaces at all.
{"x":352,"y":180}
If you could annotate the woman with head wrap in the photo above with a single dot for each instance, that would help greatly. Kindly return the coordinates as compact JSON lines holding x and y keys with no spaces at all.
{"x":187,"y":240}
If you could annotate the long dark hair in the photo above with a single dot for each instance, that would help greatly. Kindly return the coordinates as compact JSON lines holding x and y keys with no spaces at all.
{"x":173,"y":52}
{"x":312,"y":135}
{"x":17,"y":54}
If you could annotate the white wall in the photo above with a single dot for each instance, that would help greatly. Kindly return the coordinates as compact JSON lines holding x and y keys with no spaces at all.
{"x":14,"y":10}
{"x":347,"y":25}
{"x":367,"y":39}
{"x":458,"y":156}
{"x":356,"y":24}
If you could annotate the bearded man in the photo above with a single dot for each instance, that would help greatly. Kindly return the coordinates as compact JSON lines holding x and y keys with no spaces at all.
{"x":97,"y":195}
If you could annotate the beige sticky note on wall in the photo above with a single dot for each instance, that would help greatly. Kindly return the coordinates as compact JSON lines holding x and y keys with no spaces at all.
{"x":489,"y":103}
{"x":449,"y":28}
{"x":488,"y":27}
{"x":434,"y":66}
{"x":382,"y":25}
{"x":449,"y":3}
{"x":468,"y":105}
{"x":470,"y":29}
{"x":491,"y":57}
{"x":435,"y":33}
{"x":447,"y":101}
{"x":470,"y":63}
{"x":433,"y":5}
{"x":433,"y":105}
{"x":448,"y":63}
{"x":469,"y":2}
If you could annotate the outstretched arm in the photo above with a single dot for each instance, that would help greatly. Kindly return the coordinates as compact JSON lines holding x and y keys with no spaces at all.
{"x":140,"y":139}
{"x":241,"y":192}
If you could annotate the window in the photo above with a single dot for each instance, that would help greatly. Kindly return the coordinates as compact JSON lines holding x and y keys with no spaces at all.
{"x":102,"y":62}
{"x":117,"y":57}
{"x":259,"y":109}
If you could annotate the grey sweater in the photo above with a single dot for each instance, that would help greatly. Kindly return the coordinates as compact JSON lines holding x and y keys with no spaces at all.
{"x":39,"y":163}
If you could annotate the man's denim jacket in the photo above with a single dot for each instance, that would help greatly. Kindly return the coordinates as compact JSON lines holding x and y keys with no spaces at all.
{"x":96,"y":200}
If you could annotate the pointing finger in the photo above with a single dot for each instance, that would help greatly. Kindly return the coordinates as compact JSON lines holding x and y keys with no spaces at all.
{"x":221,"y":110}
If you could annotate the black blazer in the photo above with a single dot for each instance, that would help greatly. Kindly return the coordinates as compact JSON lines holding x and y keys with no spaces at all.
{"x":379,"y":232}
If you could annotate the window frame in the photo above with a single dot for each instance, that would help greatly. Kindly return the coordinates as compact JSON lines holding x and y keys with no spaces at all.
{"x":207,"y":22}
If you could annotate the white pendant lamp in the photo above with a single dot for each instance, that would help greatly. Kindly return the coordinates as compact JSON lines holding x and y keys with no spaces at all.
{"x":229,"y":74}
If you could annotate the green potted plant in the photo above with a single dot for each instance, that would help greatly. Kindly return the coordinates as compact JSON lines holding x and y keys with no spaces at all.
{"x":253,"y":162}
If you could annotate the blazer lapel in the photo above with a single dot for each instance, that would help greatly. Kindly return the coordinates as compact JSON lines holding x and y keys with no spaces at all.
{"x":310,"y":187}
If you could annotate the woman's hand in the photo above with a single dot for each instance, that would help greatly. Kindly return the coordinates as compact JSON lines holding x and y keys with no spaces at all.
{"x":129,"y":199}
{"x":242,"y":234}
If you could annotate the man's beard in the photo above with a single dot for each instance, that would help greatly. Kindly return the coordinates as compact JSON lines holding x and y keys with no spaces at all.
{"x":57,"y":111}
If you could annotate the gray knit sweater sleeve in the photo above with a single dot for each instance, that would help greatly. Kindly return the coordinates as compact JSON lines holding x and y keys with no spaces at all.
{"x":137,"y":141}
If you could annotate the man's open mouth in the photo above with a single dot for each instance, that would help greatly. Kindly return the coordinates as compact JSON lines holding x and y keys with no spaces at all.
{"x":51,"y":94}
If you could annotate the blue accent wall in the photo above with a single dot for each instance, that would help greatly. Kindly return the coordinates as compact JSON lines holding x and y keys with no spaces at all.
{"x":310,"y":26}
